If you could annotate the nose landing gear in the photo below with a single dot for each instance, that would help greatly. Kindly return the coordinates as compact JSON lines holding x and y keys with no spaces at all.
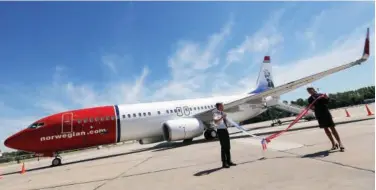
{"x":56,"y":161}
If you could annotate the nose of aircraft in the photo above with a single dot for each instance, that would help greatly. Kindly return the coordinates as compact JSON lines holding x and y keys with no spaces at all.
{"x":9,"y":142}
{"x":13,"y":142}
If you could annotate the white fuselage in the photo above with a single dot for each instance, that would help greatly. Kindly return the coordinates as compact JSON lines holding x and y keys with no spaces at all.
{"x":144,"y":120}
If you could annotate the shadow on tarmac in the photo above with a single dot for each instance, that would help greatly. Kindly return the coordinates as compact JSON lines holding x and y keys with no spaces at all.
{"x":209,"y":171}
{"x":320,"y":154}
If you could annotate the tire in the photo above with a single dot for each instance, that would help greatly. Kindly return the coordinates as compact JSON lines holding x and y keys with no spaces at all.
{"x":210,"y":134}
{"x":56,"y":162}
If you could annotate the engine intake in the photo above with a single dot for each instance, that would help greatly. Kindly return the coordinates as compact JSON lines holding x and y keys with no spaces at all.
{"x":181,"y":129}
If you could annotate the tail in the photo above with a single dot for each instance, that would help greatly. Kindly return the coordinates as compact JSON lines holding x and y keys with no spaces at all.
{"x":265,"y":78}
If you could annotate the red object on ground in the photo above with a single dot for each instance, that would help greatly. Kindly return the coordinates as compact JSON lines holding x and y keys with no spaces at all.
{"x":368,"y":110}
{"x":347,"y":113}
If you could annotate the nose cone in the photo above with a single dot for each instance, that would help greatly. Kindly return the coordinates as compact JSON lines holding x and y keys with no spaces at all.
{"x":10,"y":142}
{"x":14,"y":142}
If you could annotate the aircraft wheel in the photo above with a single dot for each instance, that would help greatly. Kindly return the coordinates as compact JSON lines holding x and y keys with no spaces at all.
{"x":213,"y":134}
{"x":56,"y":162}
{"x":210,"y":134}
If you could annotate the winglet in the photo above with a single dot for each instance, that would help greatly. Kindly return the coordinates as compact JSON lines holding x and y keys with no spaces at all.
{"x":366,"y":46}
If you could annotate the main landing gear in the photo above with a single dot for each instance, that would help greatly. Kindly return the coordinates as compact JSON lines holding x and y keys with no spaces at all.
{"x":56,"y":161}
{"x":210,"y":134}
{"x":275,"y":118}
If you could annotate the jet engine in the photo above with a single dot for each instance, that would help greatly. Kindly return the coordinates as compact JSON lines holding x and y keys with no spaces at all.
{"x":181,"y":129}
{"x":271,"y":100}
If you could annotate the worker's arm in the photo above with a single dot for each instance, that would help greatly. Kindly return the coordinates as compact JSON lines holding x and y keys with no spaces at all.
{"x":217,"y":117}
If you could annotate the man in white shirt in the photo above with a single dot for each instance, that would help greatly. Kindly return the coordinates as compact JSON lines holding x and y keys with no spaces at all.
{"x":220,"y":122}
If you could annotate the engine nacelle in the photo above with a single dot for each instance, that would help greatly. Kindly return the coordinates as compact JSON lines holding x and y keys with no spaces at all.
{"x":271,"y":100}
{"x":151,"y":140}
{"x":181,"y":129}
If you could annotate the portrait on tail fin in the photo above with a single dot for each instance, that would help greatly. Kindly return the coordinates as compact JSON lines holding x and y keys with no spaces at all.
{"x":268,"y":79}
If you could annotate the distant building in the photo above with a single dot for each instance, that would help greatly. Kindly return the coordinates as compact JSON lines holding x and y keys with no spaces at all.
{"x":368,"y":101}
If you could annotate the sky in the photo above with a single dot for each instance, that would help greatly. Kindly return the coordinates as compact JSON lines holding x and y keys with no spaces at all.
{"x":57,"y":56}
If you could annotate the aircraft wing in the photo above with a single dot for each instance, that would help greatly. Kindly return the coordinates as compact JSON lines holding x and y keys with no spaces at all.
{"x":282,"y":89}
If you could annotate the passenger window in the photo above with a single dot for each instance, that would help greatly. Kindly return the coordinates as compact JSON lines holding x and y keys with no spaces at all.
{"x":129,"y":115}
{"x":206,"y":107}
{"x":149,"y":113}
{"x":194,"y":108}
{"x":85,"y":120}
{"x":90,"y":120}
{"x":123,"y":116}
{"x":159,"y":112}
{"x":167,"y":111}
{"x":102,"y":118}
{"x":96,"y":119}
{"x":175,"y":110}
{"x":78,"y":121}
{"x":171,"y":111}
{"x":107,"y":118}
{"x":144,"y":114}
{"x":112,"y":118}
{"x":139,"y":114}
{"x":134,"y":115}
{"x":190,"y":109}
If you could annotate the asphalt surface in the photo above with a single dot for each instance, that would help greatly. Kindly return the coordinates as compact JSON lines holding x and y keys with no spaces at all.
{"x":299,"y":159}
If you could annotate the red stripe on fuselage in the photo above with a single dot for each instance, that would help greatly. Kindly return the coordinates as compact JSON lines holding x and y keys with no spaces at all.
{"x":68,"y":130}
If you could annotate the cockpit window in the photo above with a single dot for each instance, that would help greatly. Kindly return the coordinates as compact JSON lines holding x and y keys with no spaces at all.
{"x":35,"y":125}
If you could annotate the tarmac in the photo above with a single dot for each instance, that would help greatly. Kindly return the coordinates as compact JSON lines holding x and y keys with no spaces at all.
{"x":298,"y":159}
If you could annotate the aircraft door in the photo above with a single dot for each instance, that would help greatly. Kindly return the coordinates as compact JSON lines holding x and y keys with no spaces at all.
{"x":67,"y":123}
{"x":179,"y":111}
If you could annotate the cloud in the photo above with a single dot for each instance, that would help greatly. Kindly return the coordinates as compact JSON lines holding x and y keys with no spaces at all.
{"x":263,"y":41}
{"x":349,"y":50}
{"x":310,"y":32}
{"x":115,"y":62}
{"x":190,"y":66}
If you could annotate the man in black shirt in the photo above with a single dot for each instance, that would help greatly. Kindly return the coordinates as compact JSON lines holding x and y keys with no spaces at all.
{"x":324,"y":117}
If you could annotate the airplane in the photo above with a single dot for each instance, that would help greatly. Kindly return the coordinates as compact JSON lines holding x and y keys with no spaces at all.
{"x":155,"y":121}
